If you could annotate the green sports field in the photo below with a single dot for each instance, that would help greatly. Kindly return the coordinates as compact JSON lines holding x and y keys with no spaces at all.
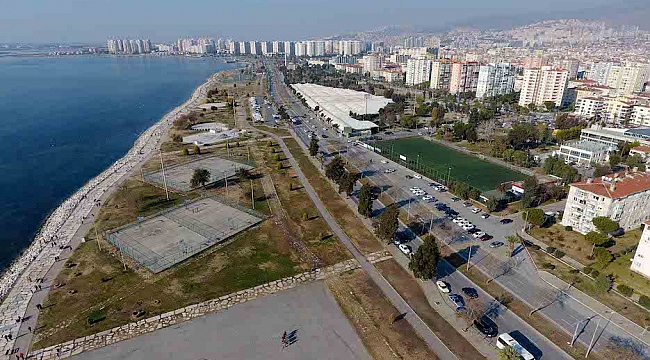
{"x":435,"y":160}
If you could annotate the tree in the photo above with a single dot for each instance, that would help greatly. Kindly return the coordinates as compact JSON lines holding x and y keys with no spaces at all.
{"x":492,"y":204}
{"x":196,"y":150}
{"x":486,"y":130}
{"x":597,"y":238}
{"x":626,"y":348}
{"x":635,"y":161}
{"x":424,"y":262}
{"x":603,"y":256}
{"x":536,"y":216}
{"x":602,"y":169}
{"x":243,"y":174}
{"x":185,"y":152}
{"x":408,"y":121}
{"x":605,"y":224}
{"x":509,"y":353}
{"x":347,"y":181}
{"x":549,"y":105}
{"x":387,"y":223}
{"x":313,"y":146}
{"x":615,"y":159}
{"x":200,"y":177}
{"x":335,"y":169}
{"x":512,"y":241}
{"x":365,"y":200}
{"x":603,"y":283}
{"x":528,"y":199}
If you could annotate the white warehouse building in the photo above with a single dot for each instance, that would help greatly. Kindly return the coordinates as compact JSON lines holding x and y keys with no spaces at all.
{"x":336,"y":104}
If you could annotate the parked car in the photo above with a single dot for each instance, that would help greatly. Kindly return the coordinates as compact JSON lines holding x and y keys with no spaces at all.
{"x":467,"y":204}
{"x":384,"y":162}
{"x":405,"y":249}
{"x":470,"y":292}
{"x":476,"y":210}
{"x":495,"y":244}
{"x":442,"y":286}
{"x":454,"y":199}
{"x":428,"y":198}
{"x":458,"y":219}
{"x":485,"y":215}
{"x":486,"y":237}
{"x":417,"y":176}
{"x":409,"y":177}
{"x":458,"y":301}
{"x":486,"y":326}
{"x":505,"y":221}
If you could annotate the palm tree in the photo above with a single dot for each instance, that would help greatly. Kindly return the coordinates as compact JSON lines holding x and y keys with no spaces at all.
{"x":512,"y":241}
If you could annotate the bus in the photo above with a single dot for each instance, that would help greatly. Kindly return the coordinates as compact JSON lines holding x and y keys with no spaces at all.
{"x":506,"y":340}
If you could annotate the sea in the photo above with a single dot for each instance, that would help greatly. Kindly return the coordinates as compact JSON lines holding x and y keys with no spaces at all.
{"x":65,"y":119}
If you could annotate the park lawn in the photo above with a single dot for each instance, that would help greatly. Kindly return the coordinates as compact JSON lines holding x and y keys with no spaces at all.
{"x":620,"y":269}
{"x":132,"y":199}
{"x":277,"y":131}
{"x":251,"y":258}
{"x":480,"y":147}
{"x":585,"y":284}
{"x":372,"y":315}
{"x":313,"y":232}
{"x":574,"y":243}
{"x":362,"y":238}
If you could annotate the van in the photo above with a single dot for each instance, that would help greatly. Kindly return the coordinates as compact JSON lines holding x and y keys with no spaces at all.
{"x":506,"y":340}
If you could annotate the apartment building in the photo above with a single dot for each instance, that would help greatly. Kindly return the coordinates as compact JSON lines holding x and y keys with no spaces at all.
{"x":641,"y":260}
{"x":494,"y":79}
{"x":418,"y":70}
{"x":372,"y":62}
{"x":589,"y":107}
{"x":641,"y":115}
{"x":584,"y":152}
{"x":464,"y":77}
{"x":623,"y":197}
{"x":440,"y":75}
{"x":543,"y":84}
{"x":388,"y":75}
{"x":628,"y":78}
{"x":614,"y":136}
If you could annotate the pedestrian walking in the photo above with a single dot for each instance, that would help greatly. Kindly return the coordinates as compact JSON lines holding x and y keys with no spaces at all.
{"x":284,"y":338}
{"x":39,"y":306}
{"x":29,"y":328}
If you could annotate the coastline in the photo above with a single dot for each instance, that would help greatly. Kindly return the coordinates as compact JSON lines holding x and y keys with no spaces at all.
{"x":64,"y":222}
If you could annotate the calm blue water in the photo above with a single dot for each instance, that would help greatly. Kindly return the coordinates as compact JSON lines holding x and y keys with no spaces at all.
{"x":64,"y":120}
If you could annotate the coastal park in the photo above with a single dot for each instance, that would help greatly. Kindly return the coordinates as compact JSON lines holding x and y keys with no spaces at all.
{"x":179,"y":176}
{"x":175,"y":235}
{"x":441,"y":163}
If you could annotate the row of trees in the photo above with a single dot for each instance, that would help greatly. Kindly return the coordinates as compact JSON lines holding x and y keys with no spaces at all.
{"x":554,"y":165}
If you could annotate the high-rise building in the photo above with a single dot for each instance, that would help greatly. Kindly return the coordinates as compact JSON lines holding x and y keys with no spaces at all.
{"x":266,"y":47}
{"x":599,"y":72}
{"x":440,"y":75}
{"x":543,"y":84}
{"x":464,"y":77}
{"x":300,"y":48}
{"x":639,"y":262}
{"x":289,"y":48}
{"x":255,"y":47}
{"x":629,"y":78}
{"x":418,"y":70}
{"x":570,"y":65}
{"x":372,"y":62}
{"x":495,"y":79}
{"x":233,"y":48}
{"x":244,"y":47}
{"x":278,"y":47}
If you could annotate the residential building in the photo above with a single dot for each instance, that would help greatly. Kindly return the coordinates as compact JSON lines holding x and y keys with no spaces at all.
{"x":623,"y":197}
{"x":641,"y":260}
{"x":372,"y":62}
{"x":266,"y":47}
{"x":534,"y":62}
{"x":584,"y":152}
{"x":277,"y":47}
{"x":614,"y":136}
{"x":570,"y":65}
{"x":440,"y":75}
{"x":413,"y":51}
{"x":289,"y":48}
{"x":418,"y":70}
{"x":388,"y":75}
{"x":543,"y":84}
{"x":643,"y":151}
{"x":589,"y":107}
{"x":641,"y":115}
{"x":255,"y":47}
{"x":464,"y":77}
{"x":494,"y":79}
{"x":592,"y":91}
{"x":628,"y":78}
{"x":244,"y":47}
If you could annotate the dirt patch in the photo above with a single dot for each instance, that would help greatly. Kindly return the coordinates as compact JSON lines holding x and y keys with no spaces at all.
{"x":407,"y":286}
{"x":372,"y":316}
{"x":245,"y":251}
{"x":267,"y":266}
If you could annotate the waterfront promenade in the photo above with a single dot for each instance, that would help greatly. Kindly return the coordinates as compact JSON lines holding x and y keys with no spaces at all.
{"x":64,"y":229}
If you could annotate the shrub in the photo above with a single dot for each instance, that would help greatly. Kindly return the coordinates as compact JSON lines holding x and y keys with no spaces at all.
{"x":185,"y":152}
{"x":276,"y":157}
{"x":574,"y":271}
{"x":595,"y":273}
{"x":603,"y":256}
{"x":269,"y":143}
{"x":587,"y":270}
{"x":280,"y":166}
{"x":548,"y":266}
{"x":644,"y":301}
{"x":625,"y":290}
{"x":603,"y":283}
{"x":305,"y":216}
{"x":550,"y":249}
{"x":96,"y":316}
{"x":568,"y":228}
{"x":559,"y":254}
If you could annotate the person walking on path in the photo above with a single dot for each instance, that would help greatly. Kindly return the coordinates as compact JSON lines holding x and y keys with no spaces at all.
{"x":284,"y":339}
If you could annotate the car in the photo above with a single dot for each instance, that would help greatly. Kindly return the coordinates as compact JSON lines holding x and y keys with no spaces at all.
{"x":454,"y":199}
{"x":441,"y":188}
{"x":442,"y":286}
{"x":470,"y":292}
{"x":485,"y":215}
{"x":397,"y":241}
{"x":496,"y":244}
{"x":324,"y":129}
{"x":486,"y":237}
{"x":505,"y":221}
{"x":414,"y":188}
{"x":388,"y":133}
{"x":427,"y":198}
{"x":486,"y":326}
{"x":506,"y":339}
{"x":409,"y":177}
{"x":467,"y":204}
{"x":384,"y":162}
{"x":417,"y":176}
{"x":458,"y":301}
{"x":324,"y":136}
{"x":476,"y":210}
{"x":458,"y":219}
{"x":388,"y":171}
{"x":478,"y":234}
{"x":420,"y":133}
{"x":468,"y":227}
{"x":405,"y":249}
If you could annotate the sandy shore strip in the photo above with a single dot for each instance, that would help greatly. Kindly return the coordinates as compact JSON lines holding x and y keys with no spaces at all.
{"x":17,"y":283}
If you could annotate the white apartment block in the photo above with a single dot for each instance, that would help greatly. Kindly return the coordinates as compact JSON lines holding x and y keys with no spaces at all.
{"x":584,"y":152}
{"x":641,"y":260}
{"x":289,"y":48}
{"x":623,"y":197}
{"x":641,"y":115}
{"x":464,"y":77}
{"x":277,"y":47}
{"x":629,"y":78}
{"x":372,"y":63}
{"x":494,"y":79}
{"x":440,"y":75}
{"x":413,"y":51}
{"x":570,"y":65}
{"x":589,"y":107}
{"x":599,"y":72}
{"x":350,"y":47}
{"x":388,"y":75}
{"x":543,"y":84}
{"x":418,"y":71}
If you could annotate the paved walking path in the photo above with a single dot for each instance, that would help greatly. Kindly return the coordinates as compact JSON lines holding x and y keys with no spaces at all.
{"x":416,"y":322}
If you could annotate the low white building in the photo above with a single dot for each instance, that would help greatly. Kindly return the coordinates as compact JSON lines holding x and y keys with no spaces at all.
{"x":641,"y":260}
{"x":336,"y":104}
{"x":623,"y":197}
{"x":584,"y":151}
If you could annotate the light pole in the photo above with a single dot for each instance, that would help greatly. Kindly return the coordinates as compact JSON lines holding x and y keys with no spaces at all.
{"x":448,"y":175}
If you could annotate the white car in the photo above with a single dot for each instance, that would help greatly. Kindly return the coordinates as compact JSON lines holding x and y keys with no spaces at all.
{"x":458,"y":219}
{"x":476,"y":210}
{"x":478,"y":234}
{"x":405,"y":249}
{"x":427,"y":198}
{"x":468,"y":227}
{"x":384,"y":162}
{"x":442,"y":286}
{"x":388,"y":171}
{"x":417,"y":176}
{"x":415,"y":188}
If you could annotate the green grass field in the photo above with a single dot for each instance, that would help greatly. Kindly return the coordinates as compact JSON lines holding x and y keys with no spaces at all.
{"x":435,"y":161}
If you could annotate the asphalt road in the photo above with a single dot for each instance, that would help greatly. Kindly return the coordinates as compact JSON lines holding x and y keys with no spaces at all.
{"x":252,"y":330}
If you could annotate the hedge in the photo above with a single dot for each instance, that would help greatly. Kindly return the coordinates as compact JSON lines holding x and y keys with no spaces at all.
{"x":625,"y":290}
{"x":644,"y":301}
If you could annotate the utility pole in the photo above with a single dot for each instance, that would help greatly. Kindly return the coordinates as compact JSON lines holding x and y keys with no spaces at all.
{"x":252,"y":195}
{"x":469,"y":256}
{"x":591,"y":343}
{"x":97,"y":237}
{"x":162,"y":164}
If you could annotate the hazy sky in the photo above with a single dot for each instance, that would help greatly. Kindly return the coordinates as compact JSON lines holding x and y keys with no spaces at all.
{"x":164,"y":20}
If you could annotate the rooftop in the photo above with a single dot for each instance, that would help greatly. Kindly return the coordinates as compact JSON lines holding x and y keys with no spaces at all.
{"x":624,"y":183}
{"x":587,"y":145}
